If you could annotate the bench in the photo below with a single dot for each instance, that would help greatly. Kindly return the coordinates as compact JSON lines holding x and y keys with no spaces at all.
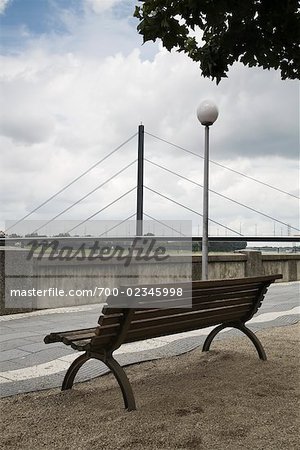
{"x":225,"y":303}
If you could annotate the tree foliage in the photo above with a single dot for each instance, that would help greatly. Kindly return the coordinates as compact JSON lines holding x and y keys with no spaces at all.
{"x":263,"y":33}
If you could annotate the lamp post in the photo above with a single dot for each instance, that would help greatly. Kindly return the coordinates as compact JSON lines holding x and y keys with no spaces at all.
{"x":207,"y":114}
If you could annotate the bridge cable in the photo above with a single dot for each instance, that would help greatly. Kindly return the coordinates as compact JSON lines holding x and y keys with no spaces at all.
{"x":102,"y":209}
{"x":118,"y":224}
{"x":164,"y":224}
{"x":73,"y":181}
{"x":192,"y":210}
{"x":85,"y":196}
{"x":223,"y":166}
{"x":221,"y":195}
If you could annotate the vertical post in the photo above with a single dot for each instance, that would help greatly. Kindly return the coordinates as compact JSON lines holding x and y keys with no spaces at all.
{"x":140,"y":182}
{"x":2,"y":274}
{"x":205,"y":207}
{"x":207,"y":114}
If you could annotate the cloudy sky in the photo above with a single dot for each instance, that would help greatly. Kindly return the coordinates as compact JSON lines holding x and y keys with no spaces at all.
{"x":76,"y":82}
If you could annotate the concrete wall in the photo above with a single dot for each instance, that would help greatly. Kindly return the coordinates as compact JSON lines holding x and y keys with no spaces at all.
{"x":288,"y":265}
{"x":250,"y":264}
{"x":81,"y":275}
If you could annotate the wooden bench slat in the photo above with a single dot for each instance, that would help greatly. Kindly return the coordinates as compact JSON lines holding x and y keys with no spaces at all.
{"x":197,"y":294}
{"x":77,"y":337}
{"x":190,"y":321}
{"x":188,"y":289}
{"x":142,"y":334}
{"x":185,"y":303}
{"x":181,"y":304}
{"x":116,"y":310}
{"x":207,"y":292}
{"x":82,"y":331}
{"x":227,"y":290}
{"x":82,"y":345}
{"x":58,"y":336}
{"x":145,"y":314}
{"x":110,"y":319}
{"x":96,"y":343}
{"x":211,"y":284}
{"x":189,"y":297}
{"x":191,"y":316}
{"x":101,"y":341}
{"x":214,"y":283}
{"x":108,"y":329}
{"x":104,"y":328}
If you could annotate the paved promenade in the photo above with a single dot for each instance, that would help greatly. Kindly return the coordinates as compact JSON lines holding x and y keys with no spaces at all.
{"x":27,"y":364}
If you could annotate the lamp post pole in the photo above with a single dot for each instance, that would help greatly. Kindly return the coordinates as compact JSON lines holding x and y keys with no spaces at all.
{"x":205,"y":207}
{"x":207,"y":114}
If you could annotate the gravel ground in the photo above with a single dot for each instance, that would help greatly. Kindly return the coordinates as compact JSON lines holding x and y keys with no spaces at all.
{"x":224,"y":399}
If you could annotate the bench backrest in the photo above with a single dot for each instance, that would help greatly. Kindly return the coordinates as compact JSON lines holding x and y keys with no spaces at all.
{"x":213,"y":302}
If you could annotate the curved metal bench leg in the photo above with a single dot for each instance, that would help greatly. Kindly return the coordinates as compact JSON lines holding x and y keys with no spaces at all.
{"x":211,"y":336}
{"x":116,"y":369}
{"x":124,"y":383}
{"x":72,"y":371}
{"x":258,"y":345}
{"x":242,"y":327}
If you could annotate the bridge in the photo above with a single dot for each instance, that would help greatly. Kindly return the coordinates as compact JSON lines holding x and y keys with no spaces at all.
{"x":141,"y":186}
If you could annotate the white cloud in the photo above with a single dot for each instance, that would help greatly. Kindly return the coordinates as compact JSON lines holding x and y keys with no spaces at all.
{"x":3,"y":5}
{"x":67,"y":105}
{"x":98,"y":6}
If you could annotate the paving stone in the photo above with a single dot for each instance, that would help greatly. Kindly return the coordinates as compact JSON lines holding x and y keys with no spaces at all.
{"x":29,"y":324}
{"x":23,"y":334}
{"x":4,"y":329}
{"x":3,"y":380}
{"x":43,"y":356}
{"x":37,"y":346}
{"x":277,"y":307}
{"x":14,"y":343}
{"x":12,"y":354}
{"x":6,"y":366}
{"x":37,"y":338}
{"x":34,"y":384}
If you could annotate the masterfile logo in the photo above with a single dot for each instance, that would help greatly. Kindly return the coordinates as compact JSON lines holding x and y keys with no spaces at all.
{"x":141,"y":249}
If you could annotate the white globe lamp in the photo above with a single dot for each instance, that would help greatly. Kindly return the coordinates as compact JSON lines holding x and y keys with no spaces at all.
{"x":207,"y":112}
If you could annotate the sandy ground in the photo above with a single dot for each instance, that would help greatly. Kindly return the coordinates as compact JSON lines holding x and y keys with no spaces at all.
{"x":224,"y":399}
